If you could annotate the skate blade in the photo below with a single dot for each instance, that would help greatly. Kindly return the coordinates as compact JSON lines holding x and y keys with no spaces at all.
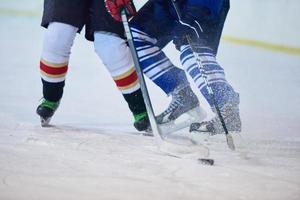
{"x":45,"y":122}
{"x":197,"y":114}
{"x":148,"y":132}
{"x":233,"y":138}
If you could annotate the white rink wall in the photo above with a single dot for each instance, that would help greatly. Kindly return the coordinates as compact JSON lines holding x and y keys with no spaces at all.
{"x":18,"y":7}
{"x":272,"y":21}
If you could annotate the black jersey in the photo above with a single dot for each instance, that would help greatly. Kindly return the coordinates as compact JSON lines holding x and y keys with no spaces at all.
{"x":100,"y":20}
{"x":72,"y":12}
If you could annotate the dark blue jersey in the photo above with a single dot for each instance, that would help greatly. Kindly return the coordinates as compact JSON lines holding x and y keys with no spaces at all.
{"x":214,"y":6}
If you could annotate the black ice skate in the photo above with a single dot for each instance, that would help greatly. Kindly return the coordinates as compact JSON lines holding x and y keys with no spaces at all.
{"x":46,"y":110}
{"x":230,"y":113}
{"x":142,"y":123}
{"x":183,"y":110}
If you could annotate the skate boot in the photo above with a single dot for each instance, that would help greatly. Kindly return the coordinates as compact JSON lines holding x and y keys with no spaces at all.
{"x":46,"y":110}
{"x":183,"y":101}
{"x":231,"y":116}
{"x":142,"y":123}
{"x":183,"y":110}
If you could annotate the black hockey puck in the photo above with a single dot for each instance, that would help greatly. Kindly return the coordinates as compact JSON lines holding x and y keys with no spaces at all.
{"x":206,"y":161}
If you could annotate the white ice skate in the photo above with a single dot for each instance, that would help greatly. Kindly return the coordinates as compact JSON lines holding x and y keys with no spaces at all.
{"x":183,"y":110}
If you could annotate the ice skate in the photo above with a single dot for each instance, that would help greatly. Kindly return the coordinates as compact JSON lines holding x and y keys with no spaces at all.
{"x":142,"y":123}
{"x":230,"y":113}
{"x":46,"y":110}
{"x":183,"y":110}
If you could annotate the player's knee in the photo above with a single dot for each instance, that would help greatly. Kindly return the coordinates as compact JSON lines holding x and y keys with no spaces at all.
{"x":114,"y":52}
{"x":116,"y":56}
{"x":58,"y":41}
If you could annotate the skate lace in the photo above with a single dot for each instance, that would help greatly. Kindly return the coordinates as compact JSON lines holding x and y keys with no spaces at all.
{"x":176,"y":101}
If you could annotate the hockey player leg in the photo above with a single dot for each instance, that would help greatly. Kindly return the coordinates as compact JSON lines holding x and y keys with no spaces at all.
{"x":58,"y":41}
{"x":202,"y":35}
{"x":225,"y":97}
{"x":121,"y":68}
{"x":170,"y":79}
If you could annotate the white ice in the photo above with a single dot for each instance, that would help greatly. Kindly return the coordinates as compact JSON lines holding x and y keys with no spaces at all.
{"x":95,"y":153}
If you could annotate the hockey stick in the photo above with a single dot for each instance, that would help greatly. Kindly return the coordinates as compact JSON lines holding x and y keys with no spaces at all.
{"x":229,"y":138}
{"x":149,"y":108}
{"x":172,"y":149}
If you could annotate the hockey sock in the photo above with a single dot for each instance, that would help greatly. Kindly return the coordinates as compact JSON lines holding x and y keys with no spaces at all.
{"x":223,"y":91}
{"x":156,"y":65}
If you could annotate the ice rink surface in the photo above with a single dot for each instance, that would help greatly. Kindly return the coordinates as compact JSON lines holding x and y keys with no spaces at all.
{"x":94,"y":153}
